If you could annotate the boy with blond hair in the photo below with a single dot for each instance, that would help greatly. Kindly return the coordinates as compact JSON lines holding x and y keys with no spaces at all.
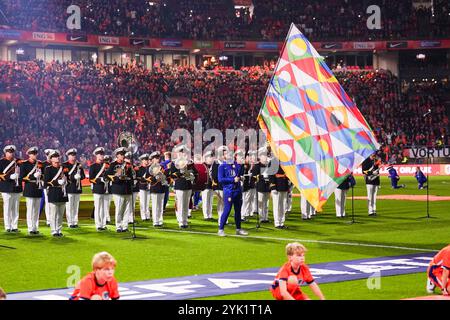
{"x":292,"y":274}
{"x":99,"y":284}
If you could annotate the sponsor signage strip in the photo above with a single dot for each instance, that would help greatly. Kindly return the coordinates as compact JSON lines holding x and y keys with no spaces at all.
{"x":65,"y":38}
{"x":207,"y":285}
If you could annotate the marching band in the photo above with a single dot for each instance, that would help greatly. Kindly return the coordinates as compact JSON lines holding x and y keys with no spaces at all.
{"x":57,"y":187}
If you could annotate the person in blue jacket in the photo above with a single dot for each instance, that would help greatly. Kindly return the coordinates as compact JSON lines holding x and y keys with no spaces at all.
{"x":421,"y":179}
{"x":229,"y":175}
{"x":394,"y":178}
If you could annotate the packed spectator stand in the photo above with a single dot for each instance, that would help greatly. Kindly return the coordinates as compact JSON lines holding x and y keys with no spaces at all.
{"x":84,"y":105}
{"x":221,"y":20}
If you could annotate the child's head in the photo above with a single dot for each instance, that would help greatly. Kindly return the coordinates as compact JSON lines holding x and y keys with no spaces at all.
{"x":2,"y":294}
{"x":296,"y":254}
{"x":103,"y":264}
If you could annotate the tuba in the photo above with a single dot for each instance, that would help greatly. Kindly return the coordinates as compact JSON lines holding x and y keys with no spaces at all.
{"x":182,"y":164}
{"x":128,"y":140}
{"x":157,"y":172}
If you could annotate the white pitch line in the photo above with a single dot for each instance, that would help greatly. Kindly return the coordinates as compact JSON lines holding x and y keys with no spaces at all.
{"x":355,"y":244}
{"x":294,"y":239}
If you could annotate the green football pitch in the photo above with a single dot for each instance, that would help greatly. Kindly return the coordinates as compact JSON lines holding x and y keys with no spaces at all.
{"x":44,"y":262}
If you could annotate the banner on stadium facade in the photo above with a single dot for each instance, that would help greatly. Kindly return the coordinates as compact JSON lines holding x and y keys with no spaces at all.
{"x":364,"y":45}
{"x":203,"y":44}
{"x":425,"y":152}
{"x":76,"y":38}
{"x":430,"y":44}
{"x":331,"y":45}
{"x":10,"y":34}
{"x":108,"y":40}
{"x":171,"y":43}
{"x":44,"y":36}
{"x":397,"y":45}
{"x":135,"y":42}
{"x":235,"y":45}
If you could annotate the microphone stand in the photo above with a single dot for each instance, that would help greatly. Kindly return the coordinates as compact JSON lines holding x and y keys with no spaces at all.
{"x":428,"y":178}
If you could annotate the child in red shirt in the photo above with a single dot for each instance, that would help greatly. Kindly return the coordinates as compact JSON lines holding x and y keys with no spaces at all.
{"x":292,"y":274}
{"x":438,"y":272}
{"x":99,"y":284}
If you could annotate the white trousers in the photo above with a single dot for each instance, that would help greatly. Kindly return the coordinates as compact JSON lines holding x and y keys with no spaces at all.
{"x":339,"y":201}
{"x":306,"y":208}
{"x":72,"y":207}
{"x":279,"y":207}
{"x":11,"y":210}
{"x":157,"y":208}
{"x":131,"y":206}
{"x":372,"y":197}
{"x":207,"y":203}
{"x":33,"y":213}
{"x":263,"y":205}
{"x":56,"y":216}
{"x":108,"y":199}
{"x":101,"y":203}
{"x":121,"y":203}
{"x":144,"y":204}
{"x":220,"y":205}
{"x":289,"y":201}
{"x":182,"y":198}
{"x":46,"y":207}
{"x":249,"y":202}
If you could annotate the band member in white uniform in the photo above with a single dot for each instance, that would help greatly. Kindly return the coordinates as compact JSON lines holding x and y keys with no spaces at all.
{"x":249,"y":189}
{"x":121,"y":174}
{"x":46,"y":163}
{"x":208,"y":193}
{"x":11,"y":188}
{"x":158,"y":184}
{"x":97,"y":177}
{"x":31,"y":173}
{"x":55,"y":178}
{"x":184,"y":173}
{"x":74,"y":187}
{"x":144,"y":187}
{"x":371,"y":171}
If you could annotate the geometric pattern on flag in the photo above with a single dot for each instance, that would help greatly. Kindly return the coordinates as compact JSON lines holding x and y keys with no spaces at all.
{"x":314,"y":128}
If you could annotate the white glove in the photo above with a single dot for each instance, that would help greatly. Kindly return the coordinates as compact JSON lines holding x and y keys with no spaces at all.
{"x":13,"y":176}
{"x":61,"y":182}
{"x":77,"y":176}
{"x":37,"y":175}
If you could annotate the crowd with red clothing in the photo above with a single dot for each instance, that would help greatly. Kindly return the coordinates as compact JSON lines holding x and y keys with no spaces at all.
{"x":86,"y":105}
{"x":220,"y":20}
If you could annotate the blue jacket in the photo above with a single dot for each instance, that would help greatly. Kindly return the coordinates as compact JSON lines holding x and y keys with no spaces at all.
{"x":227,"y":173}
{"x":393,"y":173}
{"x":420,"y":177}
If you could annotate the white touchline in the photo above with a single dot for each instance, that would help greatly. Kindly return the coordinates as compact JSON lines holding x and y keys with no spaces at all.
{"x":292,"y":239}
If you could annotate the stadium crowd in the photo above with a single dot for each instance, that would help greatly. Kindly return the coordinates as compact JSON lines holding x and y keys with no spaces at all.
{"x":85,"y":105}
{"x":210,"y":20}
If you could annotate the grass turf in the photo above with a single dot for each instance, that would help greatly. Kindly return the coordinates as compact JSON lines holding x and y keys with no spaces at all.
{"x":42,"y":262}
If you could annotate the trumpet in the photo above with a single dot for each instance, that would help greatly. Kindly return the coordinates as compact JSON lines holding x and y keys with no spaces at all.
{"x":156,"y":171}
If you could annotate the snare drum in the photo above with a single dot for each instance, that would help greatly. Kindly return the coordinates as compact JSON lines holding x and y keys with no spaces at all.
{"x":202,"y":178}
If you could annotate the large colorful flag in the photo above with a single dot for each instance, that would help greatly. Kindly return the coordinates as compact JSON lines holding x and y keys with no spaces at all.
{"x":314,"y":128}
